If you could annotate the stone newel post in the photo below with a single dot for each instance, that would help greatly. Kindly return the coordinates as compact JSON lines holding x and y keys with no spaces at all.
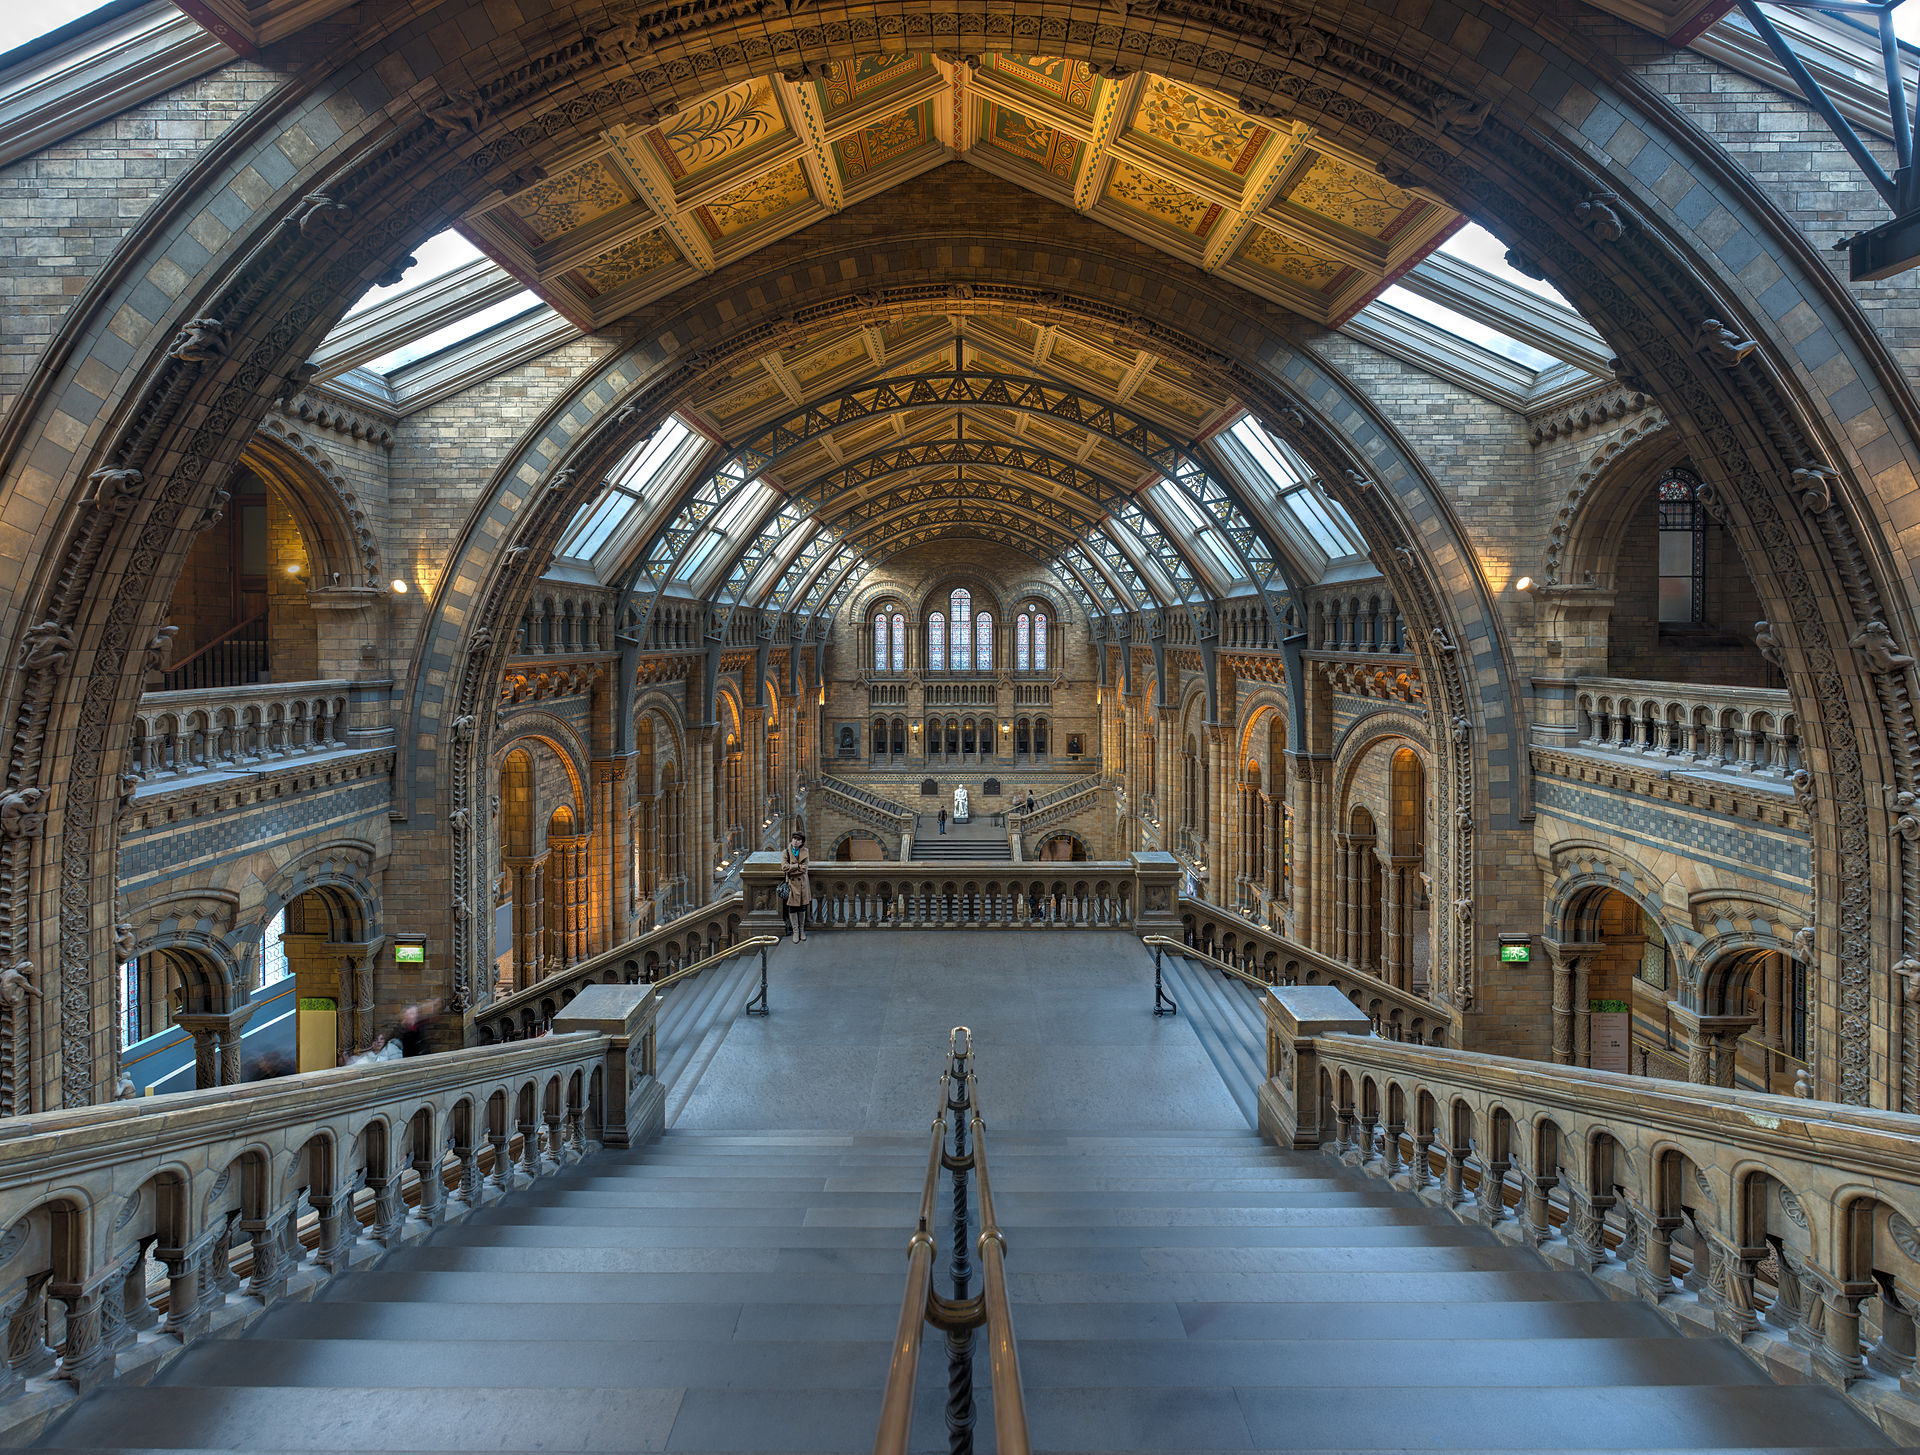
{"x":1290,"y":1112}
{"x":632,"y":1107}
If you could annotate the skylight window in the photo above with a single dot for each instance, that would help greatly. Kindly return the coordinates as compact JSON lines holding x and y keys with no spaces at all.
{"x":438,"y":256}
{"x":457,"y":332}
{"x":1174,"y":506}
{"x":1475,"y":245}
{"x":1461,"y":327}
{"x":23,"y":23}
{"x":650,"y":469}
{"x":1325,"y":521}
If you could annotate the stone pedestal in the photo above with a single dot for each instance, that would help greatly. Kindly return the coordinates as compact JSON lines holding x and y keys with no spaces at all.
{"x":1290,"y":1110}
{"x":1156,"y":903}
{"x":632,"y":1106}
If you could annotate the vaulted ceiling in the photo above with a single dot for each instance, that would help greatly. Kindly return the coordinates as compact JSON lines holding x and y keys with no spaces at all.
{"x":638,"y":211}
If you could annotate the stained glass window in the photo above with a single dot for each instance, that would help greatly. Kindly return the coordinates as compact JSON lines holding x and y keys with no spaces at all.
{"x":983,"y":641}
{"x":961,"y":658}
{"x":937,"y":643}
{"x":1683,"y":549}
{"x":899,"y":642}
{"x":880,"y":641}
{"x":1022,"y":644}
{"x":1039,"y":641}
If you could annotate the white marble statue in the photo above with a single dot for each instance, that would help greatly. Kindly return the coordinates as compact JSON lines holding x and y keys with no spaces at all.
{"x":960,"y":803}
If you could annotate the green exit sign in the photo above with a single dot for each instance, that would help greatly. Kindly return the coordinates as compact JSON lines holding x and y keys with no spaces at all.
{"x":409,"y":954}
{"x":1515,"y":954}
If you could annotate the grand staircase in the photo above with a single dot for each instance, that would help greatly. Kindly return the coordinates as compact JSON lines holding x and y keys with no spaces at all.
{"x":730,"y":1288}
{"x":979,"y":838}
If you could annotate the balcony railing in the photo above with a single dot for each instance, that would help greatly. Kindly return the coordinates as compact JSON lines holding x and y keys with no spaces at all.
{"x":238,"y":657}
{"x":962,"y":694}
{"x":1396,"y":1014}
{"x":694,"y":936}
{"x":241,"y":729}
{"x":1729,"y":729}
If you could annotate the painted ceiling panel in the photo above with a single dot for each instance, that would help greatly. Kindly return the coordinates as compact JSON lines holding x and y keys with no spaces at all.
{"x":725,"y":128}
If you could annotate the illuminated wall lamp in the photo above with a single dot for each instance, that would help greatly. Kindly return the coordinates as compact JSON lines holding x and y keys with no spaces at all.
{"x":399,"y":587}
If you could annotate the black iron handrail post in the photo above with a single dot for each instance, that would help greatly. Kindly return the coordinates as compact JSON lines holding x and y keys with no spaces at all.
{"x":960,"y":1410}
{"x":757,"y":1003}
{"x":1163,"y":1004}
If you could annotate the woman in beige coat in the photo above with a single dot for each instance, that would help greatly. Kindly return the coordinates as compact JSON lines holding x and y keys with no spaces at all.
{"x":793,"y":865}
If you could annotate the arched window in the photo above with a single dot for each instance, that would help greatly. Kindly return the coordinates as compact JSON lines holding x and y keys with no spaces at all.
{"x":1039,"y":641}
{"x":1023,"y":643}
{"x":960,"y":659}
{"x":880,"y":653}
{"x":1683,"y":549}
{"x":937,"y":643}
{"x":899,"y":642}
{"x":983,"y":642}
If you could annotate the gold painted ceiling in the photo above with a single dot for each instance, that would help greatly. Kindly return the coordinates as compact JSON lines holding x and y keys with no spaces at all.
{"x":1265,"y":202}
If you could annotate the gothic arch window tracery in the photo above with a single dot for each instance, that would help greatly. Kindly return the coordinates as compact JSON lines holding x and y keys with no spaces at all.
{"x":1683,"y":549}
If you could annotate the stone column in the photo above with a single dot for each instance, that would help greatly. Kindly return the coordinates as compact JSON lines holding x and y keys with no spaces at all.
{"x":216,"y":1045}
{"x":1569,"y":965}
{"x":1712,"y":1044}
{"x":613,"y":890}
{"x":528,"y":878}
{"x":1396,"y":950}
{"x":703,"y":816}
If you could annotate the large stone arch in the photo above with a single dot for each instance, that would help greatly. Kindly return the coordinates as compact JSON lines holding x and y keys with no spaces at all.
{"x":113,"y":453}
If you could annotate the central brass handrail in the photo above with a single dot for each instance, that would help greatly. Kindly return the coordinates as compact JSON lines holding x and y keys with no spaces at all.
{"x":959,"y":1315}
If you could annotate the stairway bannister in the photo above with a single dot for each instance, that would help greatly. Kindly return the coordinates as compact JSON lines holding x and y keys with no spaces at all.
{"x":1765,"y":1200}
{"x":645,"y":957}
{"x":961,"y":1314}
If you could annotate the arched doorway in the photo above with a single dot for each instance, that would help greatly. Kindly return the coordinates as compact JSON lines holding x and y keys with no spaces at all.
{"x":1618,"y":995}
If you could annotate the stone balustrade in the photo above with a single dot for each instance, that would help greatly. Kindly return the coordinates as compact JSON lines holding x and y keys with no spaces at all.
{"x":1137,"y":893}
{"x":1787,"y":1225}
{"x":693,"y":936}
{"x":1732,"y":729}
{"x":237,"y":729}
{"x":248,"y":1195}
{"x":1393,"y":1013}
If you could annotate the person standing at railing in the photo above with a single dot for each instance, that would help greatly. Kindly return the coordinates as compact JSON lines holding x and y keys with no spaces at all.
{"x":943,"y":820}
{"x":796,"y":887}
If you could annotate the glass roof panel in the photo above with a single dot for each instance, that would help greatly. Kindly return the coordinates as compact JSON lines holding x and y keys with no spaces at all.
{"x":1175,"y":506}
{"x":21,"y":23}
{"x":1325,"y":520}
{"x":457,"y":332}
{"x":648,"y":470}
{"x":1462,"y":327}
{"x":1474,"y":244}
{"x":438,"y":256}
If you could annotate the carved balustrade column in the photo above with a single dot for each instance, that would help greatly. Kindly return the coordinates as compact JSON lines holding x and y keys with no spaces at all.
{"x":1586,"y":1225}
{"x":339,"y":1228}
{"x":1536,"y":1206}
{"x":96,"y":1322}
{"x":1652,"y":1252}
{"x":389,"y":1211}
{"x":28,"y":1353}
{"x":1727,"y":1282}
{"x":1837,"y":1358}
{"x":1342,"y":931}
{"x":273,"y":1244}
